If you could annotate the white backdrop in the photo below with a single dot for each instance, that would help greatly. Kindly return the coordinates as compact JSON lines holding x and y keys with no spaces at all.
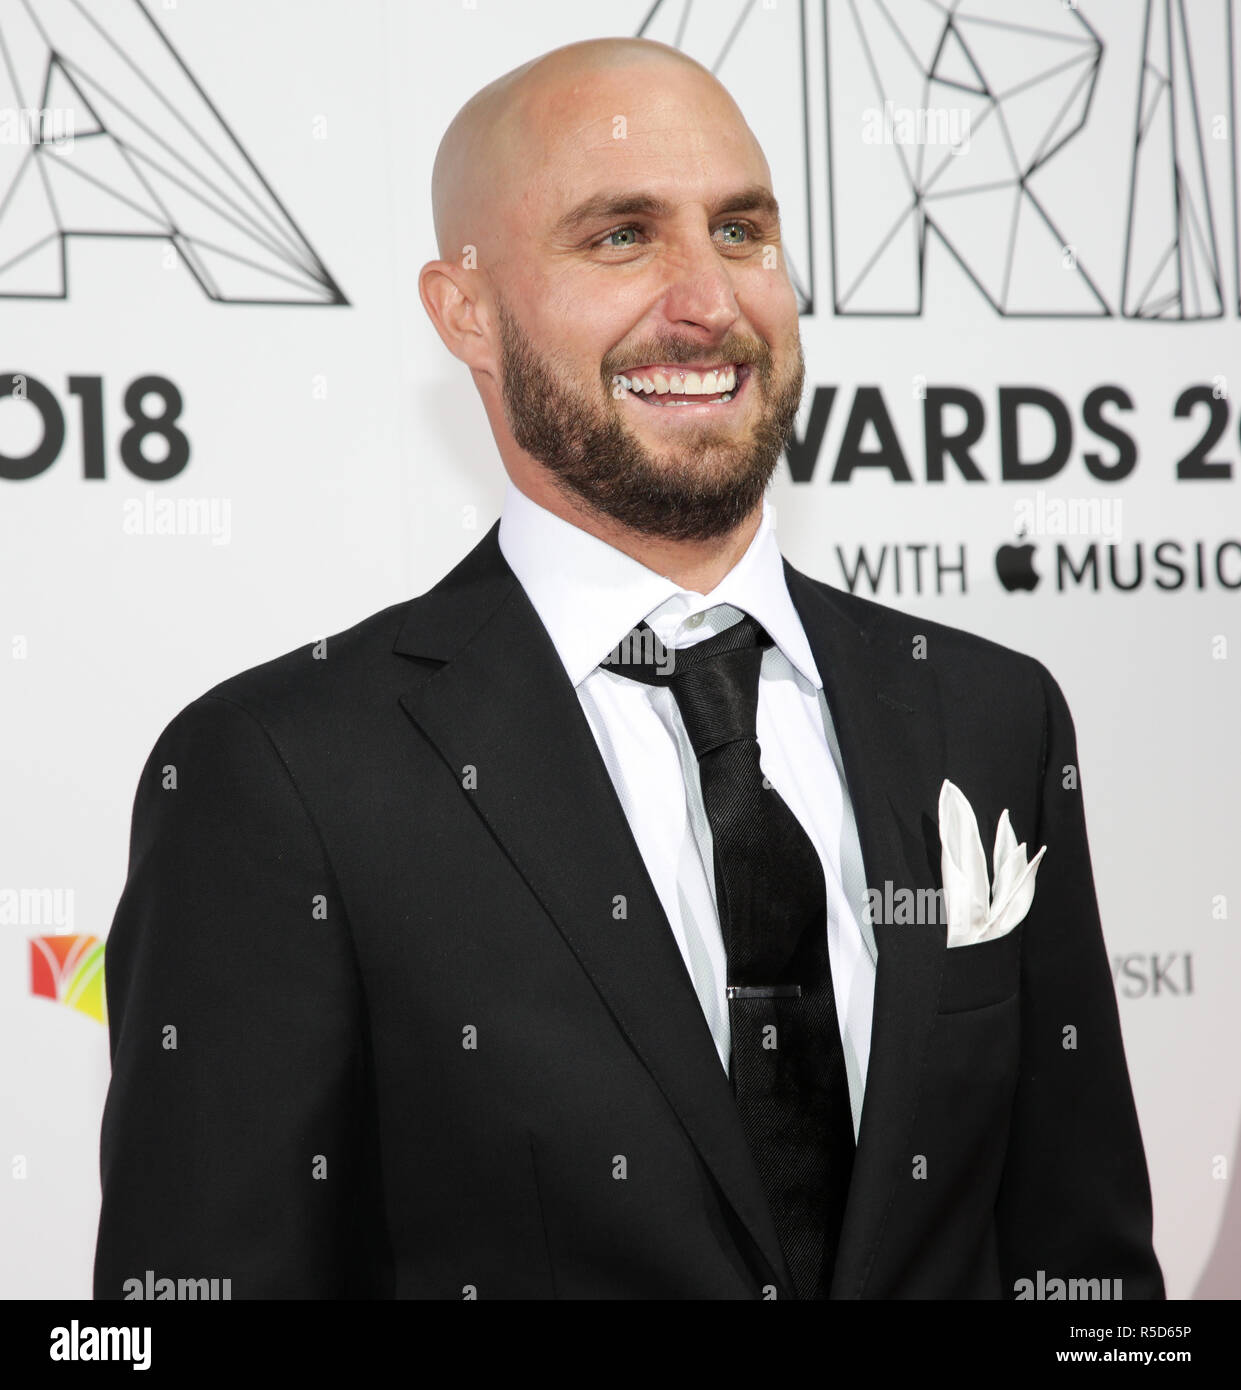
{"x":241,"y":208}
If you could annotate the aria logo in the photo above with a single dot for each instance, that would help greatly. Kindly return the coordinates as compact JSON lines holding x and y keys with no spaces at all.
{"x":1021,"y":215}
{"x":151,"y":157}
{"x":69,"y":969}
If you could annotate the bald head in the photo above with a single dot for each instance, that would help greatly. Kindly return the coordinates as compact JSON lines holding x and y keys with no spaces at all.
{"x":507,"y":132}
{"x":603,"y":210}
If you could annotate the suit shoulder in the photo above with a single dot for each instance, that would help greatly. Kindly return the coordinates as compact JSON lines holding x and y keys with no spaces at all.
{"x":996,"y":689}
{"x":302,"y":689}
{"x":283,"y":713}
{"x":322,"y":666}
{"x":327,"y":693}
{"x":952,"y":653}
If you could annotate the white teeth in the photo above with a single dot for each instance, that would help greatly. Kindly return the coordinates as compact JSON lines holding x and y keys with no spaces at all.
{"x":691,"y":383}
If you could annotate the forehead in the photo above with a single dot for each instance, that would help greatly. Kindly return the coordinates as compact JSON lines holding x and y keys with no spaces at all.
{"x":666,"y":130}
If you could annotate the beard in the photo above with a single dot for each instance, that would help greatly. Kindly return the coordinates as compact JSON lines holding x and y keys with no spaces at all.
{"x":701,"y":487}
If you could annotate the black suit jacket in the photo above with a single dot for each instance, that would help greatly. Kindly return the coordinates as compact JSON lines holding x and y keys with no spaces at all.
{"x":380,"y":1028}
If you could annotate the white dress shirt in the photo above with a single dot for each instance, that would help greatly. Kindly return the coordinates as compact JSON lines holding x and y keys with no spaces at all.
{"x":588,"y":595}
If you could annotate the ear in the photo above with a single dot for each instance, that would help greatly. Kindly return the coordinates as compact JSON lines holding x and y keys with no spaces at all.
{"x":449,"y":294}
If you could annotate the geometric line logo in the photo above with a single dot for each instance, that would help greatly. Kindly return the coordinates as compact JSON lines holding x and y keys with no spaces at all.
{"x":1024,"y":83}
{"x":69,"y":969}
{"x":1172,"y":263}
{"x":1024,"y":77}
{"x":149,"y":157}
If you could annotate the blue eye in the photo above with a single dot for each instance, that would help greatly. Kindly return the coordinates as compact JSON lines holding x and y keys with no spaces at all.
{"x":606,"y":239}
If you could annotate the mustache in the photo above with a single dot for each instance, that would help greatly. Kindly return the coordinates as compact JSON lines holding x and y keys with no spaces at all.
{"x":662,"y":355}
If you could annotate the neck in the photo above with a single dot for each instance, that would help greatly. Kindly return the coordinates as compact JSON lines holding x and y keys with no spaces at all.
{"x":692,"y":564}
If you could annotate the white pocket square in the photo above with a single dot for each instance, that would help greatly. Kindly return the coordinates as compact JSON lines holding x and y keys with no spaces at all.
{"x":976,"y":913}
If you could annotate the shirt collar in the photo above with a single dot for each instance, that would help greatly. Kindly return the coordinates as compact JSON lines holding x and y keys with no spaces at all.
{"x":588,"y":594}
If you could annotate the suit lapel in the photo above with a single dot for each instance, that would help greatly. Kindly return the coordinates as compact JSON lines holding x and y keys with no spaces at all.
{"x":885,"y":709}
{"x":502,"y":704}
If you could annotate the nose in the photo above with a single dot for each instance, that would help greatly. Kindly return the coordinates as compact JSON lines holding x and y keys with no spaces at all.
{"x":700,"y":291}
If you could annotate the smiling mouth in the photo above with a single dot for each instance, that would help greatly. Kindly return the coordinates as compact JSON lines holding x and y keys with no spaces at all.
{"x":684,"y":388}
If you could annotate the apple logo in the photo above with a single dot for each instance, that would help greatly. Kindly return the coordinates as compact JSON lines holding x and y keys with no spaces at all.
{"x":1015,"y":565}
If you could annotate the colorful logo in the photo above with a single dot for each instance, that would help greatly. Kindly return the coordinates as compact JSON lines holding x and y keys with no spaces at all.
{"x":69,"y":969}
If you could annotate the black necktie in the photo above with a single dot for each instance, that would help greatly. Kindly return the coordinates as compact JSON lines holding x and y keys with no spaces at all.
{"x":787,"y":1067}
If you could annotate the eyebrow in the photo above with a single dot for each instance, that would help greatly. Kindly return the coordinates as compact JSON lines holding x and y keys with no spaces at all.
{"x":600,"y":207}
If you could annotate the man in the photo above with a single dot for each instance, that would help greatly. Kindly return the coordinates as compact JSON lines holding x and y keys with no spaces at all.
{"x":518,"y":947}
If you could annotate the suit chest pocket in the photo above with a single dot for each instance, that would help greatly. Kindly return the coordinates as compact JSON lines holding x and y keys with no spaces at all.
{"x":977,"y":976}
